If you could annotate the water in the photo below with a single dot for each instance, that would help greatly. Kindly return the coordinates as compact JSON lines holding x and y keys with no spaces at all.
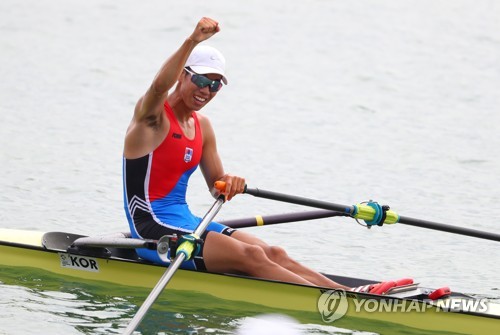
{"x":386,"y":100}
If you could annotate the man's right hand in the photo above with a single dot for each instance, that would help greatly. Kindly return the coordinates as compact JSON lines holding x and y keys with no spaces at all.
{"x":205,"y":29}
{"x":234,"y":185}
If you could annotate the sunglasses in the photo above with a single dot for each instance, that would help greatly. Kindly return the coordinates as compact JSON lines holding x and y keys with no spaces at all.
{"x":202,"y":81}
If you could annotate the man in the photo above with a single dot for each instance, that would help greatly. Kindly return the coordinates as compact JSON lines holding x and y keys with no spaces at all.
{"x":165,"y":142}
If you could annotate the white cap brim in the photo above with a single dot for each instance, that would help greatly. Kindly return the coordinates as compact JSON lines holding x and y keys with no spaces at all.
{"x":206,"y":70}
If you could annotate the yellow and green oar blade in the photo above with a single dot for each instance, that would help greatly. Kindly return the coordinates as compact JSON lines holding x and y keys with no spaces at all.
{"x":371,"y":214}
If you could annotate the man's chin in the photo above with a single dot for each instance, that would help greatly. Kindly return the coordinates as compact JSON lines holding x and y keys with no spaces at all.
{"x":197,"y":106}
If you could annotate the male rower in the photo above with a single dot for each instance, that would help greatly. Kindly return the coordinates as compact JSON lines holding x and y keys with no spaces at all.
{"x":165,"y":142}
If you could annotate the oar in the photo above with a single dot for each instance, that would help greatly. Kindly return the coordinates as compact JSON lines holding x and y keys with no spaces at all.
{"x":267,"y":220}
{"x":372,"y":213}
{"x":184,"y":250}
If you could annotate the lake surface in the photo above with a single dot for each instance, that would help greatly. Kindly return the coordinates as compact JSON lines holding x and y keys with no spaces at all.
{"x":341,"y":101}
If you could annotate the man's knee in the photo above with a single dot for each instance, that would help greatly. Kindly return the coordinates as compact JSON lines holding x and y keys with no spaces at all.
{"x":279,"y":255}
{"x":277,"y":252}
{"x":254,"y":252}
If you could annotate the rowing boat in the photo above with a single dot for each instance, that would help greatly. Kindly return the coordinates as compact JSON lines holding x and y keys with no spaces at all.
{"x":112,"y":259}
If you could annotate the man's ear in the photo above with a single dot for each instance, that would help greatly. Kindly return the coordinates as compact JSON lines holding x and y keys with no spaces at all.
{"x":182,"y":75}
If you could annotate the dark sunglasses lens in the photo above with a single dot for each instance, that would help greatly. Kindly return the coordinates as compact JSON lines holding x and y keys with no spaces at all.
{"x":216,"y":86}
{"x":202,"y":81}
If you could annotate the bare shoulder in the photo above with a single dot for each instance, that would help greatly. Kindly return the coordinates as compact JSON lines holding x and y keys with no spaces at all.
{"x":204,"y":121}
{"x":206,"y":126}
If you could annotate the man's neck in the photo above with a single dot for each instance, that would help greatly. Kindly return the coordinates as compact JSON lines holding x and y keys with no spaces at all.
{"x":181,"y":111}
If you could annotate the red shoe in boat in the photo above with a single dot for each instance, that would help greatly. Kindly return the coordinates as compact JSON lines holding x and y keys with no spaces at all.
{"x":383,"y":287}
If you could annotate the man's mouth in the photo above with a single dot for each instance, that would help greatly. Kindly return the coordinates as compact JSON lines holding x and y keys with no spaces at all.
{"x":200,"y":99}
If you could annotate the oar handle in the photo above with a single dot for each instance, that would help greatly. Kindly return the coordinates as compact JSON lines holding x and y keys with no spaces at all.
{"x":221,"y":186}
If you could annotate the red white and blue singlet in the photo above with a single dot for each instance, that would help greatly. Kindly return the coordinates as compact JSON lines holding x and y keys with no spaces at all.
{"x":155,"y":190}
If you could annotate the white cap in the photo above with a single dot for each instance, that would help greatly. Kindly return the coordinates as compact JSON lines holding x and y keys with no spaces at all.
{"x":205,"y":59}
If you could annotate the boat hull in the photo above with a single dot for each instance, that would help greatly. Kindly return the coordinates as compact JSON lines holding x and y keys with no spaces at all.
{"x":25,"y":249}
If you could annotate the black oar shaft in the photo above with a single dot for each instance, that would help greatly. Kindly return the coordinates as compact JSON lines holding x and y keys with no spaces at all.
{"x":280,"y":218}
{"x":449,"y":228}
{"x":350,"y":210}
{"x":299,"y":200}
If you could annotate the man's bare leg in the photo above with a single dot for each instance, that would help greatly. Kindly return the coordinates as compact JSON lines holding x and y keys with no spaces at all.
{"x":279,"y":255}
{"x":225,"y":254}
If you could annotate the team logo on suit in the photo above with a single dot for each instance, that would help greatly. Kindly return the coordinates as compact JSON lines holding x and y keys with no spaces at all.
{"x":188,"y":155}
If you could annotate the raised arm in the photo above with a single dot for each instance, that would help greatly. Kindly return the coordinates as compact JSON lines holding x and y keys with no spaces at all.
{"x":147,"y":108}
{"x":148,"y":123}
